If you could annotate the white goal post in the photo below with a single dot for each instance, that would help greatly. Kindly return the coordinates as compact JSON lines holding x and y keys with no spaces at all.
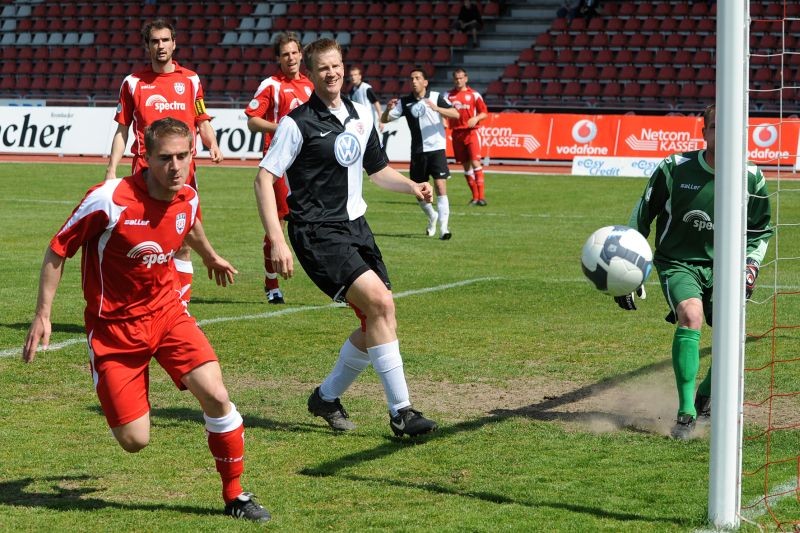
{"x":730,"y":206}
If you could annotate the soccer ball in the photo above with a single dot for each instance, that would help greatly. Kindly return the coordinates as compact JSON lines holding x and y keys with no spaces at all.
{"x":616,"y":259}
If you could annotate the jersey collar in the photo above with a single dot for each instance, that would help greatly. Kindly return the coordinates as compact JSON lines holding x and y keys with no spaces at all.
{"x":316,"y":103}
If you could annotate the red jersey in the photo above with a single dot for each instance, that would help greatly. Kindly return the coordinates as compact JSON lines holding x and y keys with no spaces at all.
{"x":469,"y":103}
{"x":128,"y":240}
{"x":276,"y":97}
{"x":147,"y":96}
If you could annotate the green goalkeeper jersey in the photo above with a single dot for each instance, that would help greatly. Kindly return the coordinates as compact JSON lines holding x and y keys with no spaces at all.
{"x":680,"y":196}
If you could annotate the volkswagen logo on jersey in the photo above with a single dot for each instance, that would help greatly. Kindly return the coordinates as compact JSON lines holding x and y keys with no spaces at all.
{"x":419,"y":108}
{"x":180,"y":223}
{"x":347,"y":149}
{"x":765,"y":135}
{"x":180,"y":87}
{"x":584,"y":131}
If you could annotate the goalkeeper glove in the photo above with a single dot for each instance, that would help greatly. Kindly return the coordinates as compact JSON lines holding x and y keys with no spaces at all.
{"x":750,"y":275}
{"x":626,"y":301}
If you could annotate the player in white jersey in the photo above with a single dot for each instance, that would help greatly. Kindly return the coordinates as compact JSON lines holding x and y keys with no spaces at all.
{"x":363,"y":93}
{"x":424,"y":110}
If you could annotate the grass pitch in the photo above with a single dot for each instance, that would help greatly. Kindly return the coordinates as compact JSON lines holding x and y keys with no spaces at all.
{"x":553,"y":403}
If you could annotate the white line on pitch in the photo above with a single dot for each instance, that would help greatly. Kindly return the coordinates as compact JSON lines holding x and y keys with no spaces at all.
{"x":8,"y":352}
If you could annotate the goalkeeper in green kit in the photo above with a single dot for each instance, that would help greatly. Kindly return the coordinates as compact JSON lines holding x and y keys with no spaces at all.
{"x":680,"y":197}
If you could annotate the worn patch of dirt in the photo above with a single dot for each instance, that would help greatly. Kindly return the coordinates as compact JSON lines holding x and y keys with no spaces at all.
{"x":642,"y":401}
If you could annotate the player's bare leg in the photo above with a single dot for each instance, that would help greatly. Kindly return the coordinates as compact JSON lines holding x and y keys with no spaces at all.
{"x":134,"y":435}
{"x":469,"y":176}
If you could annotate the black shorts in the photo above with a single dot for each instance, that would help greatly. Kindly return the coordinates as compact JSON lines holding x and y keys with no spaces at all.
{"x":429,"y":164}
{"x":335,"y":254}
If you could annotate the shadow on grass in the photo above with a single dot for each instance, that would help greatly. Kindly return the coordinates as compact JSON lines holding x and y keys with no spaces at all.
{"x":18,"y":492}
{"x":176,"y":416}
{"x":403,"y":235}
{"x":57,"y":327}
{"x":492,"y":497}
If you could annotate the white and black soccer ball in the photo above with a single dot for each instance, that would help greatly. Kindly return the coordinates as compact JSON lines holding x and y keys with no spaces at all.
{"x":617,"y":259}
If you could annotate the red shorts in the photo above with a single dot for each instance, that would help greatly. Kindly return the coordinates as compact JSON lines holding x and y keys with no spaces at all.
{"x":120,"y":353}
{"x":466,"y":145}
{"x":281,"y":193}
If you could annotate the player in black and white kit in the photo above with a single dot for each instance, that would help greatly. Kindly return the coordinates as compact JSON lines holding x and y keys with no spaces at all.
{"x":424,"y":110}
{"x":322,"y":147}
{"x":363,"y":93}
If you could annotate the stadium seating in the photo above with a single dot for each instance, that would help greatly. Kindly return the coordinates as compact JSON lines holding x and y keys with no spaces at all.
{"x":408,"y":32}
{"x":655,"y":55}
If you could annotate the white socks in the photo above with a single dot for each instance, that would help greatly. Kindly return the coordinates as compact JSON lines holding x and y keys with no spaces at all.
{"x":224,"y":424}
{"x":389,"y":365}
{"x":350,"y":364}
{"x":443,"y":205}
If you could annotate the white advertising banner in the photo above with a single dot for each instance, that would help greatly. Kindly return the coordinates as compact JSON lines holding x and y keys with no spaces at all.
{"x":88,"y":131}
{"x":631,"y":167}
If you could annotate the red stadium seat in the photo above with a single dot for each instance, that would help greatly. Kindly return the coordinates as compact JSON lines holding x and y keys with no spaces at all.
{"x":534,"y":89}
{"x":528,"y":55}
{"x":495,"y":87}
{"x":650,"y":25}
{"x":514,"y":89}
{"x":567,"y":57}
{"x":391,"y":87}
{"x":531,"y":72}
{"x":608,"y":73}
{"x":491,"y":9}
{"x":573,"y":89}
{"x":628,"y":73}
{"x":441,"y":55}
{"x":553,"y":89}
{"x":592,"y":89}
{"x":618,"y":40}
{"x":569,"y":72}
{"x":589,"y":73}
{"x":651,"y":91}
{"x":612,"y":90}
{"x":631,"y":90}
{"x":648,"y":72}
{"x":550,"y":72}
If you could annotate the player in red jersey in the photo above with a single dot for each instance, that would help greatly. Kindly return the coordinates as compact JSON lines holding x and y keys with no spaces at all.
{"x":466,"y":141}
{"x":274,"y":98}
{"x":164,"y":89}
{"x":129,"y":230}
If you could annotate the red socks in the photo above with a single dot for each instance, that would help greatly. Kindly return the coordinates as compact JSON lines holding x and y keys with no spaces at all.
{"x":228,"y":451}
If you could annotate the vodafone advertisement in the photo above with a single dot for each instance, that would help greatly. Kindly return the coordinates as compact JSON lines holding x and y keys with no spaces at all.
{"x":633,"y":140}
{"x":624,"y":145}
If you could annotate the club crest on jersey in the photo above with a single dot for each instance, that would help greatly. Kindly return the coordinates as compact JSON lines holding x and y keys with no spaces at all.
{"x":180,"y":87}
{"x":359,"y":127}
{"x":347,"y":149}
{"x":180,"y":223}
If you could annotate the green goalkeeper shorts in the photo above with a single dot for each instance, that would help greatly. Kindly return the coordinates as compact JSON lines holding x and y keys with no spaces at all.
{"x":681,"y":281}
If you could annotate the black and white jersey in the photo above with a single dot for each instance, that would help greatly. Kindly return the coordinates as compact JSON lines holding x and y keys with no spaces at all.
{"x":425,"y":124}
{"x":365,"y":95}
{"x":323,"y":154}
